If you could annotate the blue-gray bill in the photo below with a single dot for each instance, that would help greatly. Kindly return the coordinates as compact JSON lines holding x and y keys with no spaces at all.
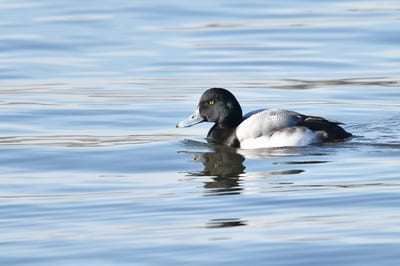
{"x":194,"y":119}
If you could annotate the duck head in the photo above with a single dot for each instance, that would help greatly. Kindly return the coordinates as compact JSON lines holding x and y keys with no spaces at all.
{"x":216,"y":105}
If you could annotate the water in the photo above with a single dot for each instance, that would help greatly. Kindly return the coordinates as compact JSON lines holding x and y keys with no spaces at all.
{"x":95,"y":172}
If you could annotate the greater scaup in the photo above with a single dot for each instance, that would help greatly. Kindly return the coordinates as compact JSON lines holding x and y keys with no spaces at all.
{"x":261,"y":128}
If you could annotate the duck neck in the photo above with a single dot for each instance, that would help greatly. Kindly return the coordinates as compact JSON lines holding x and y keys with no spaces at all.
{"x":224,"y":134}
{"x":232,"y":119}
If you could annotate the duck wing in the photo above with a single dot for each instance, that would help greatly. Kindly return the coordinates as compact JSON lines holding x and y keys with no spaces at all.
{"x":263,"y":122}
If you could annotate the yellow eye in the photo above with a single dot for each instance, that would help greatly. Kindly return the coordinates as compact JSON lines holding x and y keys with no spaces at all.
{"x":211,"y":102}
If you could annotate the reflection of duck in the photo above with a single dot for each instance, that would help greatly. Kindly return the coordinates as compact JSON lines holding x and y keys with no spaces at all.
{"x":227,"y":222}
{"x":262,"y":128}
{"x":224,"y":165}
{"x":223,"y":162}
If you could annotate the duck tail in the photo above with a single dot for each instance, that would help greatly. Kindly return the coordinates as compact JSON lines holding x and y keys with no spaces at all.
{"x":329,"y":130}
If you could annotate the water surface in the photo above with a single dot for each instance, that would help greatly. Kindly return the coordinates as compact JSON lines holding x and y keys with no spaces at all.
{"x":95,"y":172}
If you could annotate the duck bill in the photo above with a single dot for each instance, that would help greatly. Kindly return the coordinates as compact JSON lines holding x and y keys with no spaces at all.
{"x":194,"y":119}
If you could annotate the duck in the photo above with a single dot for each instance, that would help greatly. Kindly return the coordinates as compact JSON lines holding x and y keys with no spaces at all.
{"x":263,"y":128}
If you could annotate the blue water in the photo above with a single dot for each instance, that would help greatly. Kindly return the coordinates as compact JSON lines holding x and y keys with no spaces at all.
{"x":94,"y":172}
